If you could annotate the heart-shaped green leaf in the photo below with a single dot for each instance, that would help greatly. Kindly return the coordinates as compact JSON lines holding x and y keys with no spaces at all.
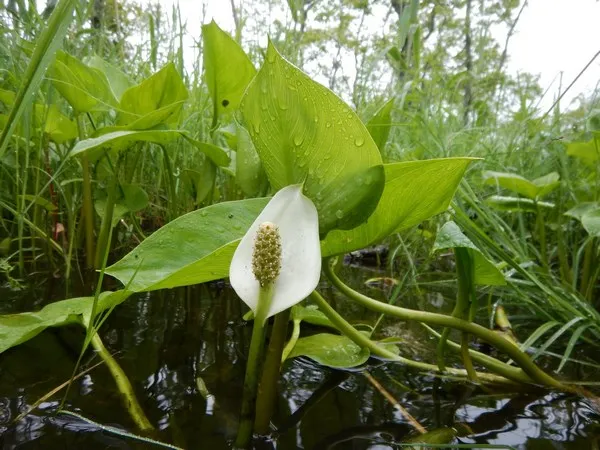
{"x":520,"y":185}
{"x":85,"y":88}
{"x":117,"y":80}
{"x":228,"y":70}
{"x":331,"y":350}
{"x":414,"y":191}
{"x":131,"y":198}
{"x":304,"y":133}
{"x":164,"y":89}
{"x":193,"y":248}
{"x":486,"y":273}
{"x":18,"y":328}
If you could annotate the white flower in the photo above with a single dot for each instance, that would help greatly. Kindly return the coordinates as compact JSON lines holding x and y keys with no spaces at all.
{"x":295,"y":217}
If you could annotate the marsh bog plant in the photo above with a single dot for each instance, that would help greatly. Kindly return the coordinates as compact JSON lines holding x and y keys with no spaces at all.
{"x":269,"y":178}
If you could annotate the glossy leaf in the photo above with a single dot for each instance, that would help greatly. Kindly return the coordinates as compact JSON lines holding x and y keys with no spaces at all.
{"x":228,"y":70}
{"x":311,"y":314}
{"x":503,"y":203}
{"x":414,"y":191}
{"x":164,"y":90}
{"x":380,"y":124}
{"x":249,"y":173}
{"x":18,"y":328}
{"x":486,"y":273}
{"x":305,"y":134}
{"x":588,"y":152}
{"x":193,"y":248}
{"x":437,"y":436}
{"x":331,"y":350}
{"x":85,"y":88}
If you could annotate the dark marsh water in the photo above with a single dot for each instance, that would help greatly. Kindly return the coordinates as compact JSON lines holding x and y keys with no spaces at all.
{"x":166,"y":340}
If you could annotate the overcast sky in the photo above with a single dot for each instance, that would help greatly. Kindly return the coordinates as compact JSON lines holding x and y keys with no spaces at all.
{"x":552,"y":36}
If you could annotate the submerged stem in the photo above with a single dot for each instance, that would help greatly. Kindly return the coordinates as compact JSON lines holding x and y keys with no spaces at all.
{"x":267,"y":389}
{"x":255,"y":355}
{"x":123,"y":384}
{"x":360,"y":339}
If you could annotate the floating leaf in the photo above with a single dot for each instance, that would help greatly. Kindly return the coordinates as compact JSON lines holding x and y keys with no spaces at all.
{"x":304,"y":133}
{"x":193,"y":248}
{"x":163,"y":90}
{"x":331,"y":350}
{"x":486,"y":273}
{"x":18,"y":328}
{"x":414,"y":191}
{"x":437,"y":436}
{"x":228,"y":70}
{"x":311,"y":314}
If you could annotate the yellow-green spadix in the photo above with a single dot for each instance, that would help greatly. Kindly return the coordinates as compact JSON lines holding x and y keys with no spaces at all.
{"x":288,"y":231}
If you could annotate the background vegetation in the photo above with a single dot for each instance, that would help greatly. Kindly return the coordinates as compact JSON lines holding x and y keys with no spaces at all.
{"x":429,"y":80}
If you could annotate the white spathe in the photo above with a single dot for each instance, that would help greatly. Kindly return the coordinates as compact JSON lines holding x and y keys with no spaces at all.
{"x":296,"y":217}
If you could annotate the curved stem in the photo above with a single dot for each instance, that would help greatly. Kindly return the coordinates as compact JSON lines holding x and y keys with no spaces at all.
{"x":521,"y":358}
{"x":360,"y":339}
{"x":497,"y":366}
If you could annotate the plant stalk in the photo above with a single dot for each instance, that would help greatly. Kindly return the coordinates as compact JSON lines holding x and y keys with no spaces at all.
{"x":267,"y":389}
{"x":123,"y":384}
{"x":253,"y":364}
{"x":88,"y":210}
{"x":521,"y":358}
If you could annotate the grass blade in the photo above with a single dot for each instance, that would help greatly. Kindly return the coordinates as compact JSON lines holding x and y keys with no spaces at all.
{"x":47,"y":44}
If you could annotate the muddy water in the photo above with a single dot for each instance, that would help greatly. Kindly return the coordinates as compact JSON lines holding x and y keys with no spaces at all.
{"x":166,"y":340}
